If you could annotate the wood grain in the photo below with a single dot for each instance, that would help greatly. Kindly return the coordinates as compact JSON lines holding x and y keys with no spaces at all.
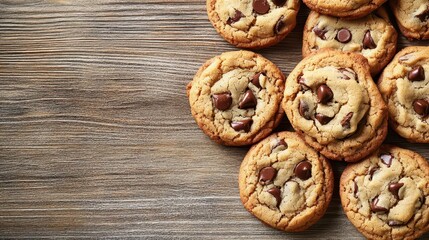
{"x":96,"y":135}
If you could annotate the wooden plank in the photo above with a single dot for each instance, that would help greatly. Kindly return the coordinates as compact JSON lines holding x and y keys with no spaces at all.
{"x":96,"y":135}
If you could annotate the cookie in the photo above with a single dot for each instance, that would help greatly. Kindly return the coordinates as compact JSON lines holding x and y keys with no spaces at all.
{"x":386,"y":196}
{"x":235,"y":98}
{"x":285,"y":183}
{"x":404,"y":85}
{"x":351,"y":9}
{"x":334,"y":105}
{"x":372,"y":36}
{"x":253,"y":24}
{"x":412,"y":17}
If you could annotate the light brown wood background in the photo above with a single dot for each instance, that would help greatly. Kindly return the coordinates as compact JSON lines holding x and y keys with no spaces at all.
{"x":96,"y":135}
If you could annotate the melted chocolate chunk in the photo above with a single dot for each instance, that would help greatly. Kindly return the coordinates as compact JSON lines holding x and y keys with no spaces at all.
{"x":424,"y":16}
{"x":324,"y":94}
{"x":372,"y":171}
{"x":279,"y":3}
{"x":279,"y":25}
{"x":394,"y":223}
{"x":237,"y":16}
{"x":303,"y":170}
{"x":304,"y":110}
{"x":266,"y":175}
{"x":222,"y":101}
{"x":355,"y":191}
{"x":276,"y":193}
{"x":320,"y":32}
{"x":346,"y":120}
{"x":302,"y":84}
{"x":421,"y":106}
{"x":248,"y":100}
{"x":323,"y":119}
{"x":375,"y":208}
{"x":261,"y":6}
{"x":343,"y":35}
{"x":386,"y":158}
{"x":242,"y":125}
{"x":416,"y":74}
{"x":394,"y":188}
{"x":368,"y":42}
{"x":280,"y":143}
{"x":255,"y":80}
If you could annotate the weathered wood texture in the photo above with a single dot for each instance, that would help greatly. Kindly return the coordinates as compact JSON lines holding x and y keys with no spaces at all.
{"x":96,"y":135}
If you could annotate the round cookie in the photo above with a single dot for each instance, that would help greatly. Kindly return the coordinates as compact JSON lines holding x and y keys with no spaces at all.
{"x":235,"y":98}
{"x":404,"y":86}
{"x":253,"y":23}
{"x":372,"y":36}
{"x":285,"y":183}
{"x":334,"y":105}
{"x":386,"y":196}
{"x":351,"y":9}
{"x":412,"y":17}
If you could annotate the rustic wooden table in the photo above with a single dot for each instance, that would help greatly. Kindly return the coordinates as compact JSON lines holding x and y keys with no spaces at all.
{"x":96,"y":135}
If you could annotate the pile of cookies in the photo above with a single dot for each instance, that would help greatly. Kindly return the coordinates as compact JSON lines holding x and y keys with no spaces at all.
{"x":332,"y":102}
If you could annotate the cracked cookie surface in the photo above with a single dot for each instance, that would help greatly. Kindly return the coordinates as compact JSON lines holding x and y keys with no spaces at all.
{"x":334,"y":105}
{"x":404,"y":86}
{"x":372,"y":36}
{"x":350,"y":9}
{"x":235,"y":97}
{"x":285,"y":183}
{"x":253,"y":23}
{"x":412,"y":17}
{"x":386,"y":196}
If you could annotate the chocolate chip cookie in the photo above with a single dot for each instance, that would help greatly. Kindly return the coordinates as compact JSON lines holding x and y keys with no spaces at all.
{"x":412,"y":17}
{"x":386,"y":196}
{"x":372,"y":36}
{"x":350,"y":9}
{"x":253,"y":23}
{"x":404,"y":86}
{"x":285,"y":183}
{"x":235,"y":98}
{"x":334,"y":105}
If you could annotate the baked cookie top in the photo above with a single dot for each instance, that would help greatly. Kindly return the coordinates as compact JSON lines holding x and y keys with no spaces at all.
{"x":332,"y":101}
{"x":253,"y":24}
{"x":386,"y":196}
{"x":235,"y":98}
{"x":346,"y":9}
{"x":285,"y":183}
{"x":373,"y":36}
{"x":404,"y":86}
{"x":412,"y":17}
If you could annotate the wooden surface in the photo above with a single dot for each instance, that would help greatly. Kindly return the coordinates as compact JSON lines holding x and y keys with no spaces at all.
{"x":96,"y":135}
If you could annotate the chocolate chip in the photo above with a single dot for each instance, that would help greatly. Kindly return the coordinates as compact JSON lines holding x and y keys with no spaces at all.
{"x":320,"y":32}
{"x":303,"y":110}
{"x":279,"y":25}
{"x":368,"y":42}
{"x":324,"y":94}
{"x":302,"y":84}
{"x":261,"y":6}
{"x":323,"y":119}
{"x":279,"y":3}
{"x":394,"y":188}
{"x":266,"y":175}
{"x":386,"y":158}
{"x":248,"y":100}
{"x":276,"y":193}
{"x":417,"y":74}
{"x":346,"y":120}
{"x":421,"y":106}
{"x":372,"y":171}
{"x":376,"y":208}
{"x":303,"y":170}
{"x":355,"y":189}
{"x":222,"y":101}
{"x":280,"y":143}
{"x":394,"y":223}
{"x":242,"y":125}
{"x":344,"y":71}
{"x":424,"y":16}
{"x":237,"y":16}
{"x":344,"y":35}
{"x":255,"y":80}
